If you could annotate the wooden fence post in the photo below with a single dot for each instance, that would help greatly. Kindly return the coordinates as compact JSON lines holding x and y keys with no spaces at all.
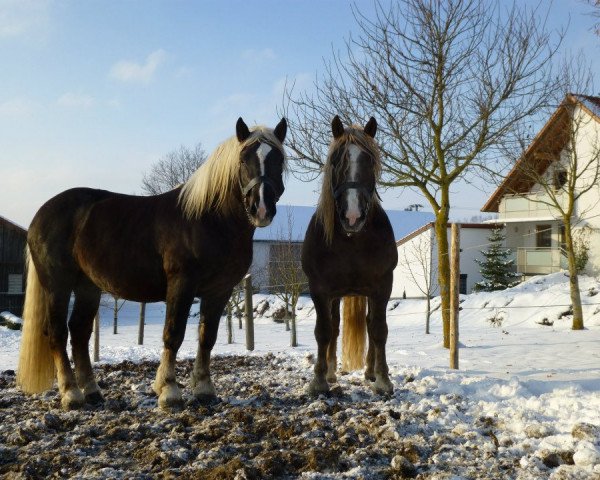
{"x":141,"y":323}
{"x":249,"y":313}
{"x":454,"y":291}
{"x":97,"y":336}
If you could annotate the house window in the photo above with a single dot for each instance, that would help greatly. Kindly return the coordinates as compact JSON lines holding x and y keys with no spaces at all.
{"x":15,"y":283}
{"x":543,"y":236}
{"x":560,"y":179}
{"x":462,"y":285}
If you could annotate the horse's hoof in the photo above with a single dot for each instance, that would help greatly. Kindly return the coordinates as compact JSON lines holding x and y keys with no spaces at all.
{"x":94,"y":398}
{"x":331,"y":378}
{"x":72,"y":399}
{"x":317,"y":387}
{"x":204,"y":389}
{"x":170,"y":398}
{"x":382,"y":387}
{"x":170,"y":403}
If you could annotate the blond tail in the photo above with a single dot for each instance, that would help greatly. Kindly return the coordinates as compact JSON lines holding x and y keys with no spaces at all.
{"x":36,"y":366}
{"x":354,"y":333}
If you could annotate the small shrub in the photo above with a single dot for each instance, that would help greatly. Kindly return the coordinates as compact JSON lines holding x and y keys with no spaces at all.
{"x":496,"y":319}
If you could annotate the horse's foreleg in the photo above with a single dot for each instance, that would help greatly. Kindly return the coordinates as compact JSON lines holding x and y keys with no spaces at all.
{"x":332,"y":348}
{"x":179,"y":300}
{"x":211,"y":310}
{"x":369,"y":371}
{"x":87,"y":301}
{"x":323,"y":336}
{"x":378,"y":332}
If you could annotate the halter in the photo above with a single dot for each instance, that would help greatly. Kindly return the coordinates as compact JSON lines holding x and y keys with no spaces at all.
{"x":260,"y":179}
{"x":369,"y":194}
{"x":255,"y":181}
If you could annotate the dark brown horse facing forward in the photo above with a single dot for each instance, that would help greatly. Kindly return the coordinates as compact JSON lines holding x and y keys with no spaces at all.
{"x":349,"y":251}
{"x":194,"y":241}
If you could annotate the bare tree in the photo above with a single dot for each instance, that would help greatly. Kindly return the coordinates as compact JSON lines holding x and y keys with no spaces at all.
{"x":286,"y":272}
{"x":595,"y":13}
{"x":172,"y":170}
{"x":448,"y":80}
{"x":116,"y":307}
{"x":417,"y":258}
{"x":563,"y":166}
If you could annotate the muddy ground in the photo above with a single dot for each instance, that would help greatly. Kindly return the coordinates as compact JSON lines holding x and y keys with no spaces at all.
{"x":263,"y":426}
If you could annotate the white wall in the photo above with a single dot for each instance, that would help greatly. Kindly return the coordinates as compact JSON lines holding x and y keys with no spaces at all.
{"x":588,"y":205}
{"x":409,"y":275}
{"x":260,"y":264}
{"x":414,"y":266}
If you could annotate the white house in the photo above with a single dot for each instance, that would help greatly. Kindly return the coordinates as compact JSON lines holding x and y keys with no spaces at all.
{"x":416,"y":273}
{"x":289,"y":226}
{"x":534,"y":230}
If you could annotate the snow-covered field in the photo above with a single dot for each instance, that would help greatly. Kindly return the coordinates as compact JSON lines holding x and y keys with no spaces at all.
{"x":527,"y":394}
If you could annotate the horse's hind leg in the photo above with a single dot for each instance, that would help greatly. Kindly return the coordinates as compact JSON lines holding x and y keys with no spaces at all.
{"x":87,"y":301}
{"x":323,"y":336}
{"x":58,"y":306}
{"x":211,"y":310}
{"x":369,"y":371}
{"x":332,"y":348}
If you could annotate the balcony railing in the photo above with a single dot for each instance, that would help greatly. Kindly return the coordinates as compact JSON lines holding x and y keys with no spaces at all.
{"x":533,"y":206}
{"x":541,"y":261}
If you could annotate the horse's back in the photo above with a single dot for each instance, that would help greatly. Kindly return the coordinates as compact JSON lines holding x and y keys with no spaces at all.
{"x":53,"y":229}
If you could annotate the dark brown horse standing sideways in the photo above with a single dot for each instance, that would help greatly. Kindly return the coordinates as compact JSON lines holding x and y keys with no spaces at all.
{"x":194,"y":241}
{"x":349,"y":252}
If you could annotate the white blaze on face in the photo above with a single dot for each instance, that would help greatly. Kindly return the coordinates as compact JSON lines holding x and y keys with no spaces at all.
{"x":353,"y":210}
{"x":262,"y":153}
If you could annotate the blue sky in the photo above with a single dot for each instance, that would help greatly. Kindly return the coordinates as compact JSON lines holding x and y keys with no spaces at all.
{"x":93,"y":92}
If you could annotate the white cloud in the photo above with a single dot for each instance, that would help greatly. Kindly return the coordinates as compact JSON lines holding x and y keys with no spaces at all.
{"x":17,"y":107}
{"x":257,"y":56}
{"x":76,"y":100}
{"x":20,"y":17}
{"x":128,"y":71}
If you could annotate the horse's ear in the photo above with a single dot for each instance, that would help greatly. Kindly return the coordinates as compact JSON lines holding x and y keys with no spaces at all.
{"x":337,"y":127}
{"x":281,"y":130}
{"x":241,"y":130}
{"x":371,"y":127}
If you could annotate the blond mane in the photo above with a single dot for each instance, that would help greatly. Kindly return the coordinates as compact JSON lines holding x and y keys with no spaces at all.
{"x":326,"y":207}
{"x":212,"y":186}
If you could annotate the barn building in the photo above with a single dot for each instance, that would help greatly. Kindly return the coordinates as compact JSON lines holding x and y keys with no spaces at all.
{"x":283,"y":238}
{"x":13,"y":239}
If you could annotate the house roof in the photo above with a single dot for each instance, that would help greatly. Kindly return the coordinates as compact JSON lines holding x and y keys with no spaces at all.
{"x":402,"y":222}
{"x":543,"y":150}
{"x":13,"y":225}
{"x":427,"y":226}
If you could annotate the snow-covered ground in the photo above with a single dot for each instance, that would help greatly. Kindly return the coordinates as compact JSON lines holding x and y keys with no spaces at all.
{"x":521,"y":366}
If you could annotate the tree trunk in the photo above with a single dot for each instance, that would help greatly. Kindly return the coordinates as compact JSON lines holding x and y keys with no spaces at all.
{"x":427,"y":314}
{"x":293,"y":335}
{"x":115,"y":315}
{"x":441,"y":233}
{"x":229,"y":324}
{"x":286,"y":317}
{"x":573,"y":280}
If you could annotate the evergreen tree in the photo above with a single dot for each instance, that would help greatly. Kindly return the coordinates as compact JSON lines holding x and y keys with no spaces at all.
{"x":497,"y":268}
